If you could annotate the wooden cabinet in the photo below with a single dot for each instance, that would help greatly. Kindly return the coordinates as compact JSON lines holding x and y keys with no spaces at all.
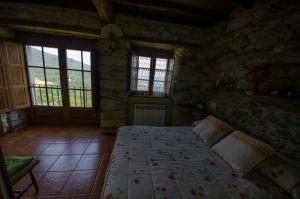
{"x":13,"y":81}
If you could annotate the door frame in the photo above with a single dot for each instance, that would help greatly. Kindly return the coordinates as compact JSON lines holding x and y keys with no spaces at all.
{"x":65,"y":114}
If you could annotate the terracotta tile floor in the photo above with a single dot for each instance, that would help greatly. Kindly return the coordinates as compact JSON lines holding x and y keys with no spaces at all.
{"x":73,"y":160}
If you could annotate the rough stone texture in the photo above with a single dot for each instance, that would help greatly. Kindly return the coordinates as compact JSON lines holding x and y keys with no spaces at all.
{"x":113,"y":82}
{"x":274,"y":120}
{"x":51,"y":15}
{"x":254,"y":53}
{"x":114,"y":67}
{"x":6,"y":33}
{"x":5,"y":123}
{"x":14,"y":120}
{"x":143,"y":28}
{"x":187,"y":86}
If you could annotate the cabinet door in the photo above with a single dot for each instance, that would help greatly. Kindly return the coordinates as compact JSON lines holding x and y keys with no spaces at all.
{"x":16,"y":72}
{"x":4,"y":103}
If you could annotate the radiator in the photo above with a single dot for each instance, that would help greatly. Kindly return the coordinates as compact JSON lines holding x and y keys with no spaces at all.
{"x":149,"y":114}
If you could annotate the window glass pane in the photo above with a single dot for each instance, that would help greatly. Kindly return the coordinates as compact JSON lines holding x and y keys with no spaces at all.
{"x":88,"y":98}
{"x":76,"y":97}
{"x":86,"y":60}
{"x":33,"y":96}
{"x":51,"y":57}
{"x":144,"y":62}
{"x":142,"y":85}
{"x":54,"y":96}
{"x":160,"y":75}
{"x":134,"y":61}
{"x":34,"y":55}
{"x":143,"y":74}
{"x":52,"y":76}
{"x":171,"y":64}
{"x":74,"y":59}
{"x":161,"y":63}
{"x":87,"y":80}
{"x":75,"y":79}
{"x":40,"y":96}
{"x":158,"y":86}
{"x":36,"y":76}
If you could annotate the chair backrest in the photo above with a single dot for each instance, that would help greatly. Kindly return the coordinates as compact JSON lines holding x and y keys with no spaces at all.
{"x":5,"y":185}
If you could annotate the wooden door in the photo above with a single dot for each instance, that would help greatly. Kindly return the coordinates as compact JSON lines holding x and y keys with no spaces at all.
{"x":16,"y":74}
{"x":4,"y":103}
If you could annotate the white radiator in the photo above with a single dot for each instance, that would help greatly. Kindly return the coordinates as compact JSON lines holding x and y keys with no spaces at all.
{"x":149,"y":114}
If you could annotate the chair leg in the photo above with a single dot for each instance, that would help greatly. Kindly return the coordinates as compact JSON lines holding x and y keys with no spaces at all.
{"x":34,"y":181}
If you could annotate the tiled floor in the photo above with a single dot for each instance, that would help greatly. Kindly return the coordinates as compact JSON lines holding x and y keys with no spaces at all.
{"x":73,"y":160}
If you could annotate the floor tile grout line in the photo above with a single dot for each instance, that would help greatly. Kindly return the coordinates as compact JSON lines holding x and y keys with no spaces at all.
{"x":27,"y":146}
{"x":70,"y":174}
{"x":95,"y":183}
{"x":96,"y":170}
{"x":87,"y":147}
{"x":44,"y":149}
{"x":48,"y":170}
{"x":63,"y":186}
{"x":92,"y":184}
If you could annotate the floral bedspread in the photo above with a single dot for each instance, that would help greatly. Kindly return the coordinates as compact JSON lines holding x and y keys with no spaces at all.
{"x":173,"y":163}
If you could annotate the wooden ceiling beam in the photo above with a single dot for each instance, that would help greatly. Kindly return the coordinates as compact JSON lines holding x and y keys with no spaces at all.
{"x":51,"y":28}
{"x":173,"y":13}
{"x":104,"y":9}
{"x":171,"y":7}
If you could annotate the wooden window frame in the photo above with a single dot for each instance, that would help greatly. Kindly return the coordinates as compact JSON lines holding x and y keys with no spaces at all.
{"x":82,"y":71}
{"x":44,"y":67}
{"x":63,"y":43}
{"x":153,"y":54}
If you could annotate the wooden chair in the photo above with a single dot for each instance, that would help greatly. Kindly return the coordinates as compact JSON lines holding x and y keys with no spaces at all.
{"x":13,"y":169}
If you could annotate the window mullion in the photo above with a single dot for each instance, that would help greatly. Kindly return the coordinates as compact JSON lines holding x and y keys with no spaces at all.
{"x":151,"y":79}
{"x":137,"y":73}
{"x":166,"y":77}
{"x":82,"y":74}
{"x":46,"y":85}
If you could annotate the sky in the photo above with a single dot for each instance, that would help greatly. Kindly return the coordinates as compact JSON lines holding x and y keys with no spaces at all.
{"x":73,"y":54}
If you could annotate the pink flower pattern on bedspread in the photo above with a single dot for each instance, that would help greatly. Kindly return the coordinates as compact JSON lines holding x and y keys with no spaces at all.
{"x":173,"y":163}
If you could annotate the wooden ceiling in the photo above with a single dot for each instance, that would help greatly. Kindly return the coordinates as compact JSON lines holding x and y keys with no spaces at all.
{"x":190,"y":12}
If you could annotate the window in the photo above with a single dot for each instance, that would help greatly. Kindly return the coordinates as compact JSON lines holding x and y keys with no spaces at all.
{"x":44,"y":75}
{"x":79,"y":78}
{"x":151,"y":74}
{"x":45,"y":80}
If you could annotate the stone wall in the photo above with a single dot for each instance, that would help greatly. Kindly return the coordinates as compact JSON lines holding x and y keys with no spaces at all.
{"x":162,"y":31}
{"x":114,"y":56}
{"x":252,"y":70}
{"x":113,"y":82}
{"x":188,"y":86}
{"x":6,"y":33}
{"x":273,"y":120}
{"x":114,"y":66}
{"x":232,"y":67}
{"x":14,"y":120}
{"x":35,"y":14}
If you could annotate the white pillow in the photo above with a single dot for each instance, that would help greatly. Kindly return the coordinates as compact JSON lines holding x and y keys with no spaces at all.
{"x":283,"y":173}
{"x":242,"y":152}
{"x":211,"y":130}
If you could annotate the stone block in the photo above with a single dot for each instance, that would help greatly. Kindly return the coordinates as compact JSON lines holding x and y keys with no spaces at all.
{"x":118,"y":114}
{"x":110,"y":104}
{"x":112,"y":123}
{"x":114,"y":61}
{"x":113,"y":84}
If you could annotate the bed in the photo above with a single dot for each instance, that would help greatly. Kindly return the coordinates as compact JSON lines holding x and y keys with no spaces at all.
{"x":172,"y":162}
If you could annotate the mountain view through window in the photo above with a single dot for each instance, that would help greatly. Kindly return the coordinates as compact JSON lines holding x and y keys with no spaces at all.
{"x":45,"y":80}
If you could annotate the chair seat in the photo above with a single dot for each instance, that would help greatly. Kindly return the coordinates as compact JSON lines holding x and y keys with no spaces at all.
{"x":18,"y":167}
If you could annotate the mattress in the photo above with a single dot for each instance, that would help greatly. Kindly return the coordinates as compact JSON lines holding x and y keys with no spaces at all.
{"x":172,"y":162}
